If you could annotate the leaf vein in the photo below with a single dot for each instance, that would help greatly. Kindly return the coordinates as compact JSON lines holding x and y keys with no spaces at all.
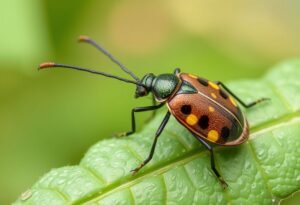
{"x":94,"y":174}
{"x":193,"y":154}
{"x":165,"y":188}
{"x":287,"y":105}
{"x":189,"y":177}
{"x":58,"y":192}
{"x":131,"y":195}
{"x":179,"y":139}
{"x":260,"y":168}
{"x":134,"y":153}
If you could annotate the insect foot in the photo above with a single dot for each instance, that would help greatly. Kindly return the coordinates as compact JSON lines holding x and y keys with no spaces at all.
{"x":263,"y":99}
{"x":121,"y":134}
{"x":222,"y":182}
{"x":134,"y":171}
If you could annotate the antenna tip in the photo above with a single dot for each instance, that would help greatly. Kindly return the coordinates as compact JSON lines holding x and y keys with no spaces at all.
{"x":46,"y":65}
{"x":83,"y":38}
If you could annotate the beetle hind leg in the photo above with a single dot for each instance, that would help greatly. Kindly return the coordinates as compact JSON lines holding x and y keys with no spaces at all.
{"x":246,"y":105}
{"x":212,"y":162}
{"x":251,"y":104}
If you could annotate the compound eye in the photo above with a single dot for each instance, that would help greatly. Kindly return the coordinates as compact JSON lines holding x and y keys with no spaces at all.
{"x":140,"y":92}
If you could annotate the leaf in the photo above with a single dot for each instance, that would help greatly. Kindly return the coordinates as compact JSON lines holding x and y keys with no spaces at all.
{"x":263,"y":170}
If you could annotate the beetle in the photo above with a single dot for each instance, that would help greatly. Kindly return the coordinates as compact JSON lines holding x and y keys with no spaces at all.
{"x":209,"y":110}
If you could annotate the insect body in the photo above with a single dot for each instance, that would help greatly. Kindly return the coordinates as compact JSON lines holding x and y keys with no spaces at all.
{"x":207,"y":109}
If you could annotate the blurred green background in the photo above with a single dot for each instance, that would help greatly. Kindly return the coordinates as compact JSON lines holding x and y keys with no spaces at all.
{"x":49,"y":119}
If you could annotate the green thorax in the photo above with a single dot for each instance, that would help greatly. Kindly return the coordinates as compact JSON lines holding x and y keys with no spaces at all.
{"x":164,"y":85}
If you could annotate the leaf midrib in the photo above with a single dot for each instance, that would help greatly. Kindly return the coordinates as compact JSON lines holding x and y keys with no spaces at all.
{"x":189,"y":156}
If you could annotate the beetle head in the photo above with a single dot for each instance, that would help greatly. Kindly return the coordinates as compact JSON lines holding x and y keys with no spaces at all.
{"x":147,"y":80}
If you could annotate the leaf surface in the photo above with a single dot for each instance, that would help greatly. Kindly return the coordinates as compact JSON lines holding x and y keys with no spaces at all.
{"x":263,"y":170}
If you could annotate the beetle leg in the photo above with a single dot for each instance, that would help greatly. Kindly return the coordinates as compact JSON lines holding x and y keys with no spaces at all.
{"x":153,"y":113}
{"x":246,"y":105}
{"x":138,"y":109}
{"x":157,"y":134}
{"x":176,"y":71}
{"x":212,"y":161}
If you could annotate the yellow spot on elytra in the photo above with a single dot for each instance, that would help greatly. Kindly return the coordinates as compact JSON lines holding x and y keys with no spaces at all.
{"x":213,"y":85}
{"x":213,"y":135}
{"x":213,"y":95}
{"x":193,"y":76}
{"x":191,"y":119}
{"x":232,"y":101}
{"x":211,"y":109}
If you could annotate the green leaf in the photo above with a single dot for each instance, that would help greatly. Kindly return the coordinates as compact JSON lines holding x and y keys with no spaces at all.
{"x":263,"y":170}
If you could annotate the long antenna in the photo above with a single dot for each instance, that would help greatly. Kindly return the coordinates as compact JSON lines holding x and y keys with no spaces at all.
{"x":52,"y":65}
{"x":88,"y":40}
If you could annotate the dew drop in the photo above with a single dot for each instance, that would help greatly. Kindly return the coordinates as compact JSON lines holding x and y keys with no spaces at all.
{"x":61,"y":181}
{"x":26,"y":195}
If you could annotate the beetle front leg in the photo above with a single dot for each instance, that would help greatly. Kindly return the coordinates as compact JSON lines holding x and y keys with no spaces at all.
{"x":157,"y":134}
{"x":246,"y":105}
{"x":153,"y":113}
{"x":212,"y":161}
{"x":138,"y":109}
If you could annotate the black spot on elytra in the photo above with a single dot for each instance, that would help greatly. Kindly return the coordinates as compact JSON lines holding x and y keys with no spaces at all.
{"x":203,"y":121}
{"x":203,"y":81}
{"x":225,"y":132}
{"x":223,"y":94}
{"x":186,"y":109}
